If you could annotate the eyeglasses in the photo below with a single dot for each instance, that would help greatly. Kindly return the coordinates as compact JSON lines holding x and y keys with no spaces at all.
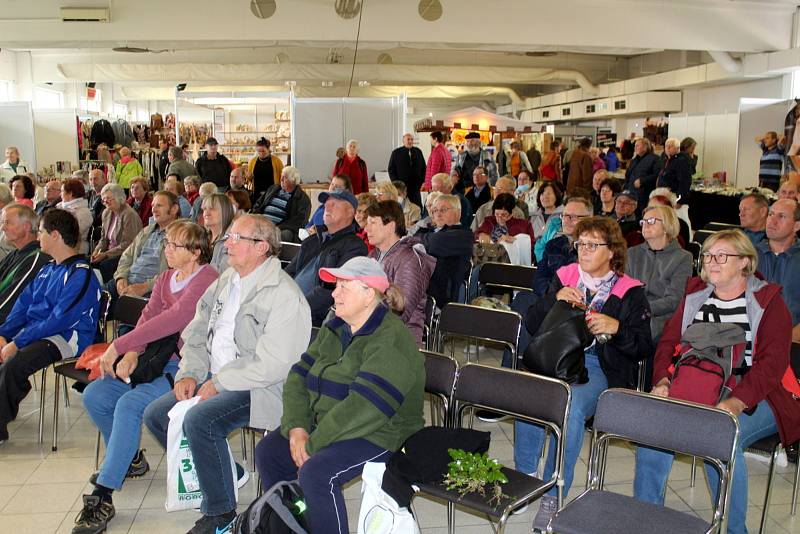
{"x":573,"y":217}
{"x":720,"y":258}
{"x":236,"y":237}
{"x":589,"y":247}
{"x":440,"y":210}
{"x":172,"y":245}
{"x":650,"y":220}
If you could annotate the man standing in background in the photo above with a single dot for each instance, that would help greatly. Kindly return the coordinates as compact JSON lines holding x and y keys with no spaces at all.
{"x":407,"y":164}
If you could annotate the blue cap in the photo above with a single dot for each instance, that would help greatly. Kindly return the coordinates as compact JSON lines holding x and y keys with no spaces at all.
{"x":341,"y":194}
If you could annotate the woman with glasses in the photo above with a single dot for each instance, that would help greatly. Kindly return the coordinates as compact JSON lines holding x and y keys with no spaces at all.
{"x":218,"y":213}
{"x":618,"y":315}
{"x":609,"y":189}
{"x":728,"y":291}
{"x":661,"y":264}
{"x":120,"y":226}
{"x":115,"y":404}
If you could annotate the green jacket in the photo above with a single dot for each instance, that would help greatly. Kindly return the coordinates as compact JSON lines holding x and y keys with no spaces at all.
{"x":127,"y":172}
{"x":370,"y":385}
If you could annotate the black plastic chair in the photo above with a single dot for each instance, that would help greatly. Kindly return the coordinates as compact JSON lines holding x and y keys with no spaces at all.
{"x":535,"y":399}
{"x":694,"y":248}
{"x":662,"y":423}
{"x":288,"y":252}
{"x":702,"y":235}
{"x":441,"y":373}
{"x":479,"y":324}
{"x":128,"y":310}
{"x":771,"y":446}
{"x":505,"y":277}
{"x":431,"y":320}
{"x":717,"y":226}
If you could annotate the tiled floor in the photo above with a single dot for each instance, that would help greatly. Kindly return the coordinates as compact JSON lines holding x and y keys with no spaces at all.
{"x":40,"y":490}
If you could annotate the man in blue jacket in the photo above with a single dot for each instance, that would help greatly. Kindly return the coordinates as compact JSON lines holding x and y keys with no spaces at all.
{"x":55,"y":316}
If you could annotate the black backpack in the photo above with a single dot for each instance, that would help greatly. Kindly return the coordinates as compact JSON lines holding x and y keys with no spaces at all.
{"x":280,"y":510}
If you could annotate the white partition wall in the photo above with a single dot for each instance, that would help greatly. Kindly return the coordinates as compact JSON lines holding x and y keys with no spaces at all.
{"x":56,"y":136}
{"x":321,"y":125}
{"x":16,"y":129}
{"x":756,"y":117}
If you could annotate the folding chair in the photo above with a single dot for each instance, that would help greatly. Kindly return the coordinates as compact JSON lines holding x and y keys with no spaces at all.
{"x":480,"y":324}
{"x":535,"y":399}
{"x":127,"y":311}
{"x":505,"y":277}
{"x":771,"y":446}
{"x":662,"y":423}
{"x":717,"y":226}
{"x":694,"y":248}
{"x":288,"y":252}
{"x":441,"y":373}
{"x":701,"y":235}
{"x":431,"y":320}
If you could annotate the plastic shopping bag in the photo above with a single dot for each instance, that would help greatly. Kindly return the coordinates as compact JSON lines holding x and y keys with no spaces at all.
{"x":183,"y":487}
{"x":380,"y":513}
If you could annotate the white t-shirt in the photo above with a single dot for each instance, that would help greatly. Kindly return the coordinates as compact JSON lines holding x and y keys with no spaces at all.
{"x":223,"y":346}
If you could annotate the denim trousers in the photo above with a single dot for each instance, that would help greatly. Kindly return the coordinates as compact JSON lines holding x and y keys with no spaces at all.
{"x":653,"y":467}
{"x":530,"y":438}
{"x":206,"y":427}
{"x":321,"y":477}
{"x":117,"y":410}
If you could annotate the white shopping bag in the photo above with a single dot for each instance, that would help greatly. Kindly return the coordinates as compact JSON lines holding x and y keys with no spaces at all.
{"x":380,"y":514}
{"x":519,"y":252}
{"x":183,"y":488}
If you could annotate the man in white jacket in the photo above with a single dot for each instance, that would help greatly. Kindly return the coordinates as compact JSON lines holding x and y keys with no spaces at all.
{"x":251,"y":325}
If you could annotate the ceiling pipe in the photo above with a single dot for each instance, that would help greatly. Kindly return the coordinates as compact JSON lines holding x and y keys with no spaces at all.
{"x":726,"y":61}
{"x":571,"y":75}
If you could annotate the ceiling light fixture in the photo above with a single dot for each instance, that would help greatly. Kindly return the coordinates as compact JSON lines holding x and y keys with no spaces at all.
{"x":385,"y":59}
{"x":363,"y":83}
{"x":263,"y":9}
{"x":281,"y":58}
{"x":290,"y":83}
{"x":347,"y":9}
{"x":430,"y":10}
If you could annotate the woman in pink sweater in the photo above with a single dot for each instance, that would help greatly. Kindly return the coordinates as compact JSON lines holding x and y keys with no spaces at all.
{"x":114,"y":404}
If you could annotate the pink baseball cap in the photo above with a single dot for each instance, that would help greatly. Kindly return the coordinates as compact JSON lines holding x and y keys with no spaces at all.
{"x":360,"y":268}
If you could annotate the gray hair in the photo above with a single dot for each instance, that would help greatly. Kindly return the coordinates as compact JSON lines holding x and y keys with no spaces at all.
{"x":5,"y":195}
{"x":266,"y":230}
{"x":192,"y":180}
{"x":82,"y":175}
{"x":453,"y":200}
{"x":672,"y":142}
{"x":116,"y":190}
{"x":25,"y":214}
{"x":291,"y":173}
{"x":207,"y":189}
{"x":352,"y":141}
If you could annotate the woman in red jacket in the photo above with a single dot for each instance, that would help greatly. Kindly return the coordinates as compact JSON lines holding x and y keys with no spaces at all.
{"x":354,"y":167}
{"x":727,"y":291}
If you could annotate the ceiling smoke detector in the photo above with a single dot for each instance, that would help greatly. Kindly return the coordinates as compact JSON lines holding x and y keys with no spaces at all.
{"x":430,"y":10}
{"x":263,"y":9}
{"x":347,"y":9}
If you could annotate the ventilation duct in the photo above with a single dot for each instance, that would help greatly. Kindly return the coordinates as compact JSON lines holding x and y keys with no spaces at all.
{"x":726,"y":61}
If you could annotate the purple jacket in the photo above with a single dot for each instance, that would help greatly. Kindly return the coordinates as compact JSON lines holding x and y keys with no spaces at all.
{"x":410,"y":269}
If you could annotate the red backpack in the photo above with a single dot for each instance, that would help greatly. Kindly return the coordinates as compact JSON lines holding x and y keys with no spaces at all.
{"x":706,"y":365}
{"x":791,"y":382}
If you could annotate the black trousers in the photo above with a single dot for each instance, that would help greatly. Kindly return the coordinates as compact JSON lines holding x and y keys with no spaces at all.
{"x":14,"y":373}
{"x":413,"y":194}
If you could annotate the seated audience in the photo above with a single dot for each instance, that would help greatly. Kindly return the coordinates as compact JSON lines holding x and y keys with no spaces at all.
{"x":502,"y":227}
{"x":481,"y":192}
{"x":286,"y":204}
{"x":240,"y":201}
{"x":237,"y":181}
{"x":753,"y":210}
{"x":619,"y":309}
{"x":525,"y":191}
{"x":444,"y":184}
{"x":144,"y":259}
{"x":6,"y":198}
{"x":115,"y":406}
{"x":505,"y":184}
{"x":174,"y":186}
{"x":451,"y":244}
{"x":407,"y":267}
{"x":206,"y":190}
{"x":598,"y":178}
{"x":192,"y":186}
{"x":728,"y":291}
{"x":54,"y":317}
{"x":426,"y":222}
{"x":141,"y":200}
{"x":340,"y":181}
{"x":265,"y":168}
{"x":661,"y":264}
{"x":331,"y":245}
{"x":625,"y":211}
{"x":411,"y":211}
{"x":661,"y":196}
{"x":97,"y":180}
{"x":121,"y":225}
{"x":549,"y":198}
{"x":779,"y":256}
{"x":609,"y":189}
{"x":20,"y":225}
{"x":789,"y":189}
{"x":385,"y":191}
{"x":374,"y":404}
{"x":218,"y":215}
{"x":23,"y":190}
{"x":249,"y":327}
{"x":72,"y":200}
{"x":365,"y":200}
{"x":52,"y":196}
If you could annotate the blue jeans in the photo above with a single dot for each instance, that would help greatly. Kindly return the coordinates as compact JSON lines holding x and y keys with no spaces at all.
{"x":653,"y":467}
{"x":321,"y":477}
{"x":530,"y":438}
{"x":207,"y":426}
{"x":117,"y":409}
{"x":520,"y":304}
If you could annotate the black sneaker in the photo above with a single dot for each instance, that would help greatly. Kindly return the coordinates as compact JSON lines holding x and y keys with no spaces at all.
{"x":214,"y":524}
{"x":489,"y":417}
{"x":139,"y":467}
{"x":94,"y":517}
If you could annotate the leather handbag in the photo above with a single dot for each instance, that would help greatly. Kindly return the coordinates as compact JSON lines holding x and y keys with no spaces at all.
{"x":557,"y":347}
{"x":489,"y":252}
{"x":153,"y":360}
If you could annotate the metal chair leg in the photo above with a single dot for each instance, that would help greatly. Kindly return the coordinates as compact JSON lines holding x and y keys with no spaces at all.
{"x":244,"y":444}
{"x":41,"y":403}
{"x":253,"y":449}
{"x":451,"y":518}
{"x":66,"y":391}
{"x":97,"y":452}
{"x":765,"y":510}
{"x":57,"y":386}
{"x":794,"y":489}
{"x":694,"y":471}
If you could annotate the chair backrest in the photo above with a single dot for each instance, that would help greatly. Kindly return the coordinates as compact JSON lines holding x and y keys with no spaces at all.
{"x":506,"y":276}
{"x":694,"y":248}
{"x":440,"y":374}
{"x":288,"y":251}
{"x":428,"y":328}
{"x":516,"y":393}
{"x":481,"y":323}
{"x":717,"y":226}
{"x":129,"y":309}
{"x":105,"y":306}
{"x":701,"y":235}
{"x":670,"y":424}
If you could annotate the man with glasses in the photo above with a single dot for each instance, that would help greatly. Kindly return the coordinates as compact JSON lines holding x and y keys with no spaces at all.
{"x":330,"y":246}
{"x":441,"y":183}
{"x":466,"y":162}
{"x":481,"y":192}
{"x":779,"y":256}
{"x":249,"y":328}
{"x":625,"y":210}
{"x":52,"y":196}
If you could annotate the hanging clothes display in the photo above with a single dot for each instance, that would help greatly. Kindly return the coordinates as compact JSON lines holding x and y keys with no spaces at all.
{"x":122,"y":132}
{"x":102,"y":132}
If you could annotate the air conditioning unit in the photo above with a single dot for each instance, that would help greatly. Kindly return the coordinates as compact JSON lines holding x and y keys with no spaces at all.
{"x":85,"y":14}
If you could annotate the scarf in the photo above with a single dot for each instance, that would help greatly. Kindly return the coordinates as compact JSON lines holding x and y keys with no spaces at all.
{"x":126,"y":160}
{"x":597,"y":290}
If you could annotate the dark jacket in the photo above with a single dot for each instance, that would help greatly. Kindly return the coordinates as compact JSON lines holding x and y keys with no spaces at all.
{"x":479,"y":199}
{"x":332,"y":251}
{"x":645,"y":169}
{"x":42,"y":206}
{"x":409,"y":169}
{"x":557,"y":253}
{"x":297,"y":209}
{"x":620,"y":355}
{"x":677,"y":176}
{"x":17,"y":270}
{"x":163,"y":164}
{"x":102,"y":132}
{"x":217,"y":170}
{"x":452,"y":248}
{"x":771,"y":325}
{"x":580,"y":171}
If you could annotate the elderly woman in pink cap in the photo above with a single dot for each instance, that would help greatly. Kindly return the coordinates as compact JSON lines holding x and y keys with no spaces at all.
{"x":353,"y":397}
